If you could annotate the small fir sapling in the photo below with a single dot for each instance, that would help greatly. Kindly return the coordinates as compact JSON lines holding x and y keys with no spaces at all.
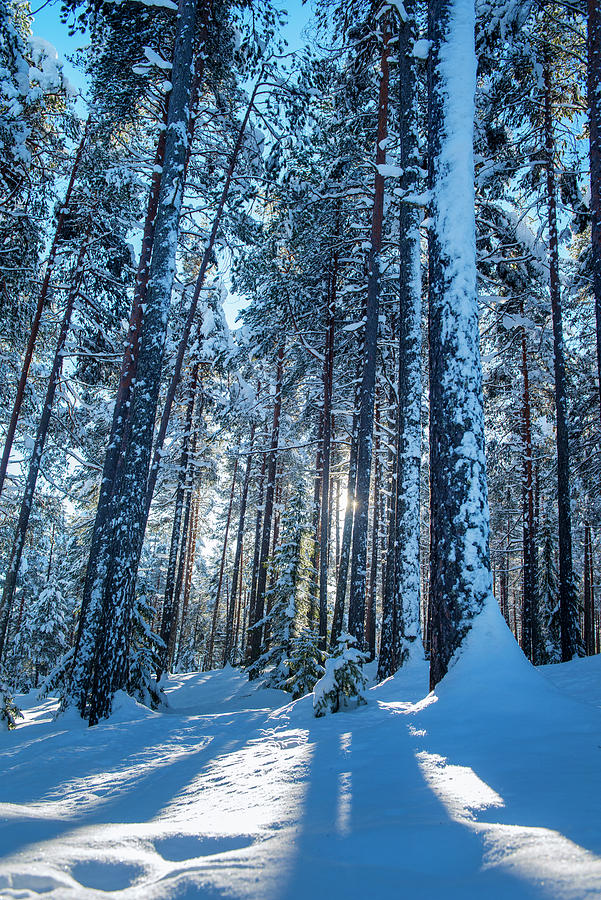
{"x":9,"y":711}
{"x":305,"y":665}
{"x":343,"y":685}
{"x":143,"y":657}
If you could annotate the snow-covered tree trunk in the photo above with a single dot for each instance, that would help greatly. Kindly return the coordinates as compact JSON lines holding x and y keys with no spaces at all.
{"x":228,"y":654}
{"x":96,"y":567}
{"x":370,"y":342}
{"x":589,"y":597}
{"x":207,"y":258}
{"x":347,"y":535}
{"x":401,"y":631}
{"x":177,"y":545}
{"x":594,"y":105}
{"x":256,"y":552}
{"x":255,"y":636}
{"x":459,"y":557}
{"x":328,"y":384}
{"x":10,"y":582}
{"x":228,"y":519}
{"x":128,"y":519}
{"x":530,"y":642}
{"x":571,"y":642}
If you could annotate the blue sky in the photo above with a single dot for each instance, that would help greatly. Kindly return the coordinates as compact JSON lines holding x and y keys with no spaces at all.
{"x":47,"y":24}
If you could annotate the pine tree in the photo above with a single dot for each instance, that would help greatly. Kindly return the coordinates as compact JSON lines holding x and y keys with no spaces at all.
{"x":343,"y":683}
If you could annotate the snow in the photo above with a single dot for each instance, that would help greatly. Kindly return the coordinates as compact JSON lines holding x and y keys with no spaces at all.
{"x":487,"y":788}
{"x":421,"y":49}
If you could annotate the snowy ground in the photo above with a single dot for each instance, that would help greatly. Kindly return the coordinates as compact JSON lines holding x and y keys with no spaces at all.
{"x":489,"y":789}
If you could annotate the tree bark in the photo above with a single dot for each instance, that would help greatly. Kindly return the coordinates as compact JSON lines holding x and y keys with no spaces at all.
{"x":347,"y":533}
{"x":530,"y":632}
{"x":571,"y":643}
{"x":211,"y":646}
{"x":401,"y":630}
{"x":460,"y":579}
{"x":229,"y":631}
{"x":128,"y":520}
{"x":368,"y":381}
{"x":177,"y":544}
{"x":256,"y":631}
{"x":328,"y":383}
{"x":594,"y":106}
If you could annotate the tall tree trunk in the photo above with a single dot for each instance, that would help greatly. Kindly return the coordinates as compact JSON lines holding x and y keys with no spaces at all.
{"x":530,"y":636}
{"x":190,"y":554}
{"x":211,"y":645}
{"x":128,"y":520}
{"x":459,"y":557}
{"x":328,"y":383}
{"x":594,"y":106}
{"x":181,"y":565}
{"x":6,"y":604}
{"x":177,"y":538}
{"x":97,"y":556}
{"x":370,"y":613}
{"x":571,"y":643}
{"x":589,"y":602}
{"x":256,"y":631}
{"x":229,"y":631}
{"x":347,"y":532}
{"x":402,"y":636}
{"x":370,"y":342}
{"x":256,"y":554}
{"x":185,"y":337}
{"x":35,"y":325}
{"x":315,"y":556}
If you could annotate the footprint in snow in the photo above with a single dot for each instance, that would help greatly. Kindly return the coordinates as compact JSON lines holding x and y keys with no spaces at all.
{"x":106,"y":875}
{"x":179,"y":847}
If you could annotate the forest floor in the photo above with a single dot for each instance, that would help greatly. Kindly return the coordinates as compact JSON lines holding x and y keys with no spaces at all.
{"x":489,"y":788}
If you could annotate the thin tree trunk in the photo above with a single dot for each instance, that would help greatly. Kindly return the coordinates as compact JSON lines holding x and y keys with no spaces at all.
{"x":6,"y":604}
{"x":589,"y":603}
{"x":177,"y":538}
{"x":181,"y":562}
{"x":530,"y":636}
{"x":370,"y":615}
{"x":211,"y":647}
{"x":35,"y":325}
{"x":256,"y":631}
{"x":401,"y":636}
{"x":256,"y":554}
{"x":328,"y":382}
{"x":229,"y":631}
{"x":315,"y":557}
{"x":347,"y":533}
{"x":594,"y":106}
{"x":190,"y":554}
{"x":368,"y":381}
{"x":571,"y":643}
{"x":234,"y":650}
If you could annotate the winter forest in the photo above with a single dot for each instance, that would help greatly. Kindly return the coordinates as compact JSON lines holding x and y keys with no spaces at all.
{"x":300,"y":356}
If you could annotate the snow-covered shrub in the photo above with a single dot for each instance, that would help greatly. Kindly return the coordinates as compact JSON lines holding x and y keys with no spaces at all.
{"x":143,"y":654}
{"x":9,"y":711}
{"x":44,"y":635}
{"x":343,"y":684}
{"x":305,"y":665}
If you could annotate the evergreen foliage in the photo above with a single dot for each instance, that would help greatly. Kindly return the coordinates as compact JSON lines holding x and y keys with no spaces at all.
{"x":343,"y":684}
